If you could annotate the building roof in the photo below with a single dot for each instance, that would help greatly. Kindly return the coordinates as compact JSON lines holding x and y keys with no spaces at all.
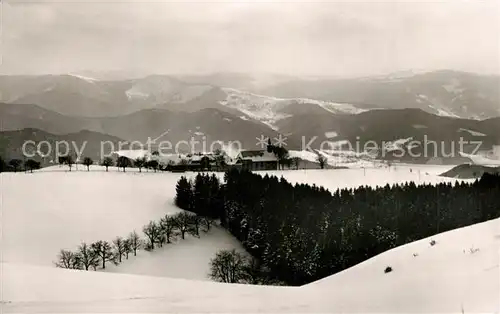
{"x":256,"y":155}
{"x":251,"y":153}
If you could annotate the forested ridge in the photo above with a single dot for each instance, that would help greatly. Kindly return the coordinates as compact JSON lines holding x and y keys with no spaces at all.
{"x":302,"y":233}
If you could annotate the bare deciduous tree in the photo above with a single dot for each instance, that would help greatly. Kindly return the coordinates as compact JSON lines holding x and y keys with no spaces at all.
{"x":127,"y":247}
{"x":152,"y":231}
{"x":104,"y":251}
{"x":140,"y":162}
{"x":123,"y":162}
{"x":31,"y":164}
{"x":135,"y":242}
{"x":69,"y":161}
{"x":207,"y":223}
{"x":68,"y":259}
{"x":107,"y":162}
{"x":228,"y":266}
{"x":183,"y":223}
{"x":119,"y":248}
{"x":321,"y":160}
{"x":195,"y":225}
{"x":87,"y":161}
{"x":153,"y":164}
{"x":15,"y":164}
{"x":88,"y":256}
{"x":167,"y":227}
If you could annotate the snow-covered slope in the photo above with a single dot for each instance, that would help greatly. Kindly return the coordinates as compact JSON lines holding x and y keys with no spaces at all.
{"x":304,"y":155}
{"x":85,"y":78}
{"x":269,"y":109}
{"x":460,"y":271}
{"x":481,"y":160}
{"x":55,"y":209}
{"x":443,"y":92}
{"x":459,"y":274}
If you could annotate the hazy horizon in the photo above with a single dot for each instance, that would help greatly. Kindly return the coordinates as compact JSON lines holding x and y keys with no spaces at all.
{"x":336,"y":39}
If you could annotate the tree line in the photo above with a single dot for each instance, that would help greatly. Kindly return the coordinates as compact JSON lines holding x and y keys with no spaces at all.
{"x":122,"y":163}
{"x":302,"y":233}
{"x":15,"y":165}
{"x":203,"y":196}
{"x":155,"y":234}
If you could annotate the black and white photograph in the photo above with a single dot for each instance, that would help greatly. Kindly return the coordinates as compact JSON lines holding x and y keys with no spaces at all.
{"x":236,"y":156}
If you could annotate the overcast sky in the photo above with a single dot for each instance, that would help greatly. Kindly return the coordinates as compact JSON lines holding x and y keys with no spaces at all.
{"x":338,"y":39}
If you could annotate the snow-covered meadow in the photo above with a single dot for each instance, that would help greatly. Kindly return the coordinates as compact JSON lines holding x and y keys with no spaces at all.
{"x":444,"y":278}
{"x":333,"y":179}
{"x":53,"y":209}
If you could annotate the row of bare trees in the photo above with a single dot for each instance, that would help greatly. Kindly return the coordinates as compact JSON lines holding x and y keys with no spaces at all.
{"x":98,"y":254}
{"x":168,"y":228}
{"x":122,"y":162}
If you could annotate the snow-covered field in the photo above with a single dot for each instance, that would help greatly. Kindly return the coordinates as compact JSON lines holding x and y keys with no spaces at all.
{"x":461,"y":269}
{"x":53,"y":209}
{"x":188,"y":259}
{"x":444,"y":278}
{"x":350,"y":178}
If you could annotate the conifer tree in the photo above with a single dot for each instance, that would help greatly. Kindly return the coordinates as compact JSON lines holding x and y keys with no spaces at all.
{"x":184,"y":194}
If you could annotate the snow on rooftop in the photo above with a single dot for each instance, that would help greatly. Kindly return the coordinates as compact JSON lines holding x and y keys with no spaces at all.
{"x":331,"y":134}
{"x":133,"y":154}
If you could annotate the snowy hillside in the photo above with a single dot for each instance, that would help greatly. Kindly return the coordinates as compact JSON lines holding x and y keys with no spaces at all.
{"x":63,"y":209}
{"x":269,"y":109}
{"x":444,"y":92}
{"x":482,"y":160}
{"x":459,"y":274}
{"x":82,"y":77}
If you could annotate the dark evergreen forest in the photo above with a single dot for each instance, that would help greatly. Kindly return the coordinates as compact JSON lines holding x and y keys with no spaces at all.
{"x":302,"y":233}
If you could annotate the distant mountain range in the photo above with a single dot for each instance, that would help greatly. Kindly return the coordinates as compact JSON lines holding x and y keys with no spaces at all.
{"x":441,"y":106}
{"x":445,"y":93}
{"x":314,"y":130}
{"x":204,"y":126}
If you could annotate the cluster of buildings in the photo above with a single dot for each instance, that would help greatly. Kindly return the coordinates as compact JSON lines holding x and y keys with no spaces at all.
{"x":245,"y":159}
